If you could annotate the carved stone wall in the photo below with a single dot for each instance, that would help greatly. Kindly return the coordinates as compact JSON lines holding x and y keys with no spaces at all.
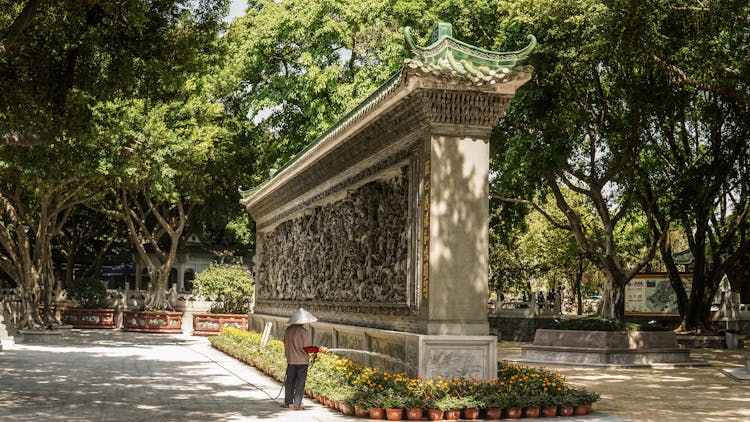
{"x":351,"y":250}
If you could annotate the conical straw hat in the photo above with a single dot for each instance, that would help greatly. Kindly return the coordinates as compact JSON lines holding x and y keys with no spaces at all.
{"x":302,"y":317}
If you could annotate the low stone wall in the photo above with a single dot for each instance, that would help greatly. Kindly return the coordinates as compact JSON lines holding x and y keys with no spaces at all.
{"x":618,"y":348}
{"x":427,"y":355}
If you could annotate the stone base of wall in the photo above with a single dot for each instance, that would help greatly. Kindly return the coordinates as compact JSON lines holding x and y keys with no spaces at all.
{"x":39,"y":336}
{"x":608,"y":348}
{"x":394,"y":351}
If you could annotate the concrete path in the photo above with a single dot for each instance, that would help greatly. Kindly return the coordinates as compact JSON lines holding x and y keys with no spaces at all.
{"x":103,"y":375}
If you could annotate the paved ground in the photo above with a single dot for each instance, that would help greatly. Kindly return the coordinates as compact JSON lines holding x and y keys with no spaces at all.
{"x":701,"y":393}
{"x":101,"y":375}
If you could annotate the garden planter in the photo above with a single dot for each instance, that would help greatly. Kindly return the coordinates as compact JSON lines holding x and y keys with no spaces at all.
{"x":471,"y":413}
{"x":88,"y":318}
{"x":377,"y":413}
{"x":212,"y":324}
{"x":549,"y":411}
{"x":495,"y":412}
{"x":361,"y":412}
{"x":346,"y":409}
{"x":514,"y":412}
{"x":414,"y":414}
{"x":164,"y":322}
{"x":566,"y":410}
{"x":531,"y":412}
{"x":581,"y":410}
{"x":435,"y":414}
{"x":393,"y":414}
{"x":452,"y":414}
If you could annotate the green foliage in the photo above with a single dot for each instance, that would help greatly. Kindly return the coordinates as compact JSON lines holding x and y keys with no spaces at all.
{"x":603,"y":324}
{"x":231,"y":286}
{"x":90,"y":293}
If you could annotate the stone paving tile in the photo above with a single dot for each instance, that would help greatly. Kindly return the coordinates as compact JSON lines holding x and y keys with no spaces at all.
{"x":109,"y":375}
{"x":665,"y":395}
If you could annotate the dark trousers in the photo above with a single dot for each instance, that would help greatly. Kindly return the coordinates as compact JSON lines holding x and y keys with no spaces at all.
{"x":294,"y":387}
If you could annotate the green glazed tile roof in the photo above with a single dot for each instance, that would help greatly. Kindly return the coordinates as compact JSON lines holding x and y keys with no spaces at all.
{"x":446,"y":58}
{"x":449,"y":57}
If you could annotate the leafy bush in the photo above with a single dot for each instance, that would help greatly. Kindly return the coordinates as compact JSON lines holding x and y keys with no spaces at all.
{"x":602,"y":324}
{"x":231,"y":286}
{"x":90,"y":293}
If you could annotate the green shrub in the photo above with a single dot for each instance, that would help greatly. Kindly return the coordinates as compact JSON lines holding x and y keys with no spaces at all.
{"x":602,"y":324}
{"x":231,"y":286}
{"x":88,"y":292}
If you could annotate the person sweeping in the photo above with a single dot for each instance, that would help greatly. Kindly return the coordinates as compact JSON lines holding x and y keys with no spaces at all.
{"x":297,"y":348}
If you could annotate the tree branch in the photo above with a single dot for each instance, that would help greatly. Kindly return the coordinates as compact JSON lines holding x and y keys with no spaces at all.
{"x":22,"y":21}
{"x":541,"y":210}
{"x":702,"y":86}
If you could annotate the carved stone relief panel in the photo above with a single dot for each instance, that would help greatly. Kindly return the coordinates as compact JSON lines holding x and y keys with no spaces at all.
{"x":351,"y":250}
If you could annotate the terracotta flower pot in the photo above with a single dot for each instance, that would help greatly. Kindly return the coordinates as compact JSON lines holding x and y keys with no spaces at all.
{"x":531,"y":412}
{"x":377,"y":413}
{"x":549,"y":411}
{"x":360,"y":412}
{"x":581,"y":410}
{"x":566,"y":410}
{"x":414,"y":414}
{"x":495,"y":412}
{"x":471,"y":413}
{"x":393,"y":414}
{"x":452,"y":414}
{"x":514,"y":412}
{"x":435,"y":414}
{"x":346,"y":409}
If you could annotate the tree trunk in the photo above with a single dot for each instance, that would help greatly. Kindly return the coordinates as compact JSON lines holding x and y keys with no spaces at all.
{"x":613,"y":299}
{"x":579,"y":278}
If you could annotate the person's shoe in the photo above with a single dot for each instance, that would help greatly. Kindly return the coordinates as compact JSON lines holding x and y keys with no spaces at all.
{"x":297,"y":407}
{"x":285,"y":405}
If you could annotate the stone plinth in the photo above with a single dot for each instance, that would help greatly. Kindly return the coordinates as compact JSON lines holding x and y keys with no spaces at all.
{"x":606,"y":348}
{"x":40,"y":336}
{"x":429,"y":356}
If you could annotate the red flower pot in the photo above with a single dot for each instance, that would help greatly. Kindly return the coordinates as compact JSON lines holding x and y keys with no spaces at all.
{"x":471,"y":413}
{"x":495,"y":412}
{"x":452,"y":414}
{"x":346,"y":409}
{"x":531,"y":412}
{"x":414,"y":414}
{"x":581,"y":410}
{"x":549,"y":411}
{"x":566,"y":410}
{"x":435,"y":414}
{"x":514,"y":412}
{"x":377,"y":413}
{"x":360,"y":412}
{"x":393,"y":414}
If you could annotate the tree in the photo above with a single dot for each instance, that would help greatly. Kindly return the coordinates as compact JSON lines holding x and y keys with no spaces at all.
{"x":577,"y":125}
{"x":300,"y":65}
{"x":57,"y":66}
{"x":696,"y":168}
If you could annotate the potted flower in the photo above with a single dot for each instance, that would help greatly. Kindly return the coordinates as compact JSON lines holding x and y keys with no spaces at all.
{"x":232,"y":286}
{"x":531,"y":407}
{"x":92,"y":311}
{"x":471,"y":406}
{"x":414,"y":403}
{"x":392,"y":402}
{"x":450,"y":406}
{"x":548,"y":404}
{"x":494,"y":403}
{"x":513,"y":405}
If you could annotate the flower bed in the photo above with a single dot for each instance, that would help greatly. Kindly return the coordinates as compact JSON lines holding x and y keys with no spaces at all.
{"x":348,"y":387}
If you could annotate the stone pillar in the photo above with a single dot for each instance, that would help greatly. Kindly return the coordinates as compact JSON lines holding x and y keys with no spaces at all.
{"x":456,"y":209}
